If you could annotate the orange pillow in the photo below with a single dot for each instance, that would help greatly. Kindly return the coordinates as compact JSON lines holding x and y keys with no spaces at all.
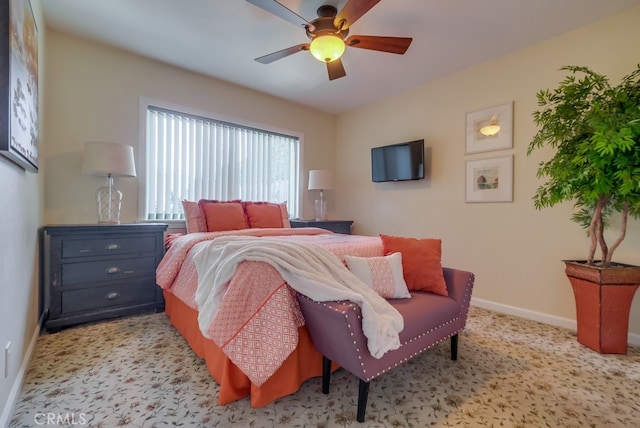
{"x":193,"y":217}
{"x":221,"y":216}
{"x":266,"y":214}
{"x":263,"y":214}
{"x":421,"y":262}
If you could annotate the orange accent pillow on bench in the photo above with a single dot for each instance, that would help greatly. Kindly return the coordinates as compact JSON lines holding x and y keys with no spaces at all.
{"x":421,"y":262}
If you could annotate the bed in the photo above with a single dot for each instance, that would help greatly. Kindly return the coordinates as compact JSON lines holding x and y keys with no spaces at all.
{"x":259,"y":315}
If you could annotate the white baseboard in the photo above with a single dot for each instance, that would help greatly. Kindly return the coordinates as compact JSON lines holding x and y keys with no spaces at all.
{"x":7,"y":411}
{"x":632,"y":339}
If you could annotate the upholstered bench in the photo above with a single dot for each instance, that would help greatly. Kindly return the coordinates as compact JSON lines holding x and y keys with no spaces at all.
{"x":336,"y":330}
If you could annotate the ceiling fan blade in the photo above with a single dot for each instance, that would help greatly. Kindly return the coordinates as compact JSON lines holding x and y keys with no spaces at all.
{"x":336,"y":69}
{"x":277,"y":9}
{"x":274,"y":56}
{"x":352,"y":11}
{"x":396,"y":45}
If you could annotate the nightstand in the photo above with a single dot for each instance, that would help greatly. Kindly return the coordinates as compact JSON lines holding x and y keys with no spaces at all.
{"x":336,"y":226}
{"x":95,"y":272}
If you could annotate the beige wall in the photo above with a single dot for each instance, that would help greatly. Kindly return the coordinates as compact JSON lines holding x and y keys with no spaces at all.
{"x":21,"y":197}
{"x":514,"y":250}
{"x":95,"y":98}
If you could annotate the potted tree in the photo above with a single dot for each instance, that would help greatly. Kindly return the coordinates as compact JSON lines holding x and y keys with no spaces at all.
{"x":595,"y":129}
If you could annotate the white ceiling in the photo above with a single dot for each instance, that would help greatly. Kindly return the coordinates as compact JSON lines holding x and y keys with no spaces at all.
{"x":221,"y":38}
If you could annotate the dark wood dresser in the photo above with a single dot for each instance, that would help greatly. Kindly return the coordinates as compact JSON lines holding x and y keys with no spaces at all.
{"x":95,"y":272}
{"x":336,"y":226}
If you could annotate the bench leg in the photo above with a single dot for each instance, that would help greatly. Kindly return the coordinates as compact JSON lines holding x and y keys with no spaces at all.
{"x":454,"y":347}
{"x":326,"y":374}
{"x":363,"y":393}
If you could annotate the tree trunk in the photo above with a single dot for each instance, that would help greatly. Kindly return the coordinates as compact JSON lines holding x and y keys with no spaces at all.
{"x":623,"y":233}
{"x":596,"y":232}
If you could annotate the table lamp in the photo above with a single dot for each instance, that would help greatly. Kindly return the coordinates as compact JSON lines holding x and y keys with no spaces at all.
{"x":108,"y":160}
{"x":320,"y":179}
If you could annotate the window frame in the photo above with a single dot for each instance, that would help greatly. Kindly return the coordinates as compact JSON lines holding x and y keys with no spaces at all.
{"x":145,"y":102}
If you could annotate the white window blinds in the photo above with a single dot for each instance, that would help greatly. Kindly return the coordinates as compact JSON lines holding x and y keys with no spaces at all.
{"x":191,"y":157}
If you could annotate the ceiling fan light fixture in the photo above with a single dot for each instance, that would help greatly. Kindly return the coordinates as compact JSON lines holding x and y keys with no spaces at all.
{"x":327,"y":48}
{"x":491,"y":128}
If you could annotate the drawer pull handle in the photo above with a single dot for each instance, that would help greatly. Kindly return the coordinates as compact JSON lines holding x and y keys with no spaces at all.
{"x":85,"y":250}
{"x":112,"y":270}
{"x":129,"y":272}
{"x":113,"y":247}
{"x":112,"y":296}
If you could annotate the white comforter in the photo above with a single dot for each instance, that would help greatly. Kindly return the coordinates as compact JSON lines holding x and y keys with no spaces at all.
{"x":308,"y":269}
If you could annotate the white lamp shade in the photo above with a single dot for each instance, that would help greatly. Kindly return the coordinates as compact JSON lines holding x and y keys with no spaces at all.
{"x":320,"y":179}
{"x":105,"y":159}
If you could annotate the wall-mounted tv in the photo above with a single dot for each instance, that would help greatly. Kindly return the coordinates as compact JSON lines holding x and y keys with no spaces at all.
{"x":398,"y":162}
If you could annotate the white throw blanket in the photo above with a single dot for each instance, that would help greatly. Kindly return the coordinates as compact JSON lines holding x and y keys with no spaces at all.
{"x":308,"y":269}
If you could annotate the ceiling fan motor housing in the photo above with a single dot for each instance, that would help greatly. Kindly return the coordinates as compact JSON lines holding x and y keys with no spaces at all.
{"x":324,"y":25}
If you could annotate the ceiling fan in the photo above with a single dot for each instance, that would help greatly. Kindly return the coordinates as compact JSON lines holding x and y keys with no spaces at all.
{"x":328,"y":34}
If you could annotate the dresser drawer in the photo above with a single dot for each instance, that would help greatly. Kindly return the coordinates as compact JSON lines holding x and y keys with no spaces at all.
{"x":107,"y":296}
{"x":106,"y":246}
{"x":106,"y":270}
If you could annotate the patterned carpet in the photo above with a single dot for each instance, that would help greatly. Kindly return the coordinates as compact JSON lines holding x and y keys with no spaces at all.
{"x":139,"y":372}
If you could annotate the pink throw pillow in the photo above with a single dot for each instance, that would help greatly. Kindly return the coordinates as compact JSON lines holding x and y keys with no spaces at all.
{"x":193,"y":217}
{"x":382,"y":274}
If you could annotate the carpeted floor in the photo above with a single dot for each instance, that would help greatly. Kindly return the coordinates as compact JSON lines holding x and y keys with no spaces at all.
{"x":139,"y":372}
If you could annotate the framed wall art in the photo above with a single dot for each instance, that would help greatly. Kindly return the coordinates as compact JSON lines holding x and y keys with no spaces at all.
{"x":490,"y":180}
{"x":19,"y":84}
{"x":490,"y":129}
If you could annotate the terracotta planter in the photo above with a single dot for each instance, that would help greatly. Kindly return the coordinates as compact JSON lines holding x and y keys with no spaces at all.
{"x":603,"y":301}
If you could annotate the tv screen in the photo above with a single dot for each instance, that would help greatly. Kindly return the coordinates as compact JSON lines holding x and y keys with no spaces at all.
{"x":398,"y":162}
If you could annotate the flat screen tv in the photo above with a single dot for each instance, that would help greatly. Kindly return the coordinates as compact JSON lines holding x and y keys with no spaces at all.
{"x":398,"y":162}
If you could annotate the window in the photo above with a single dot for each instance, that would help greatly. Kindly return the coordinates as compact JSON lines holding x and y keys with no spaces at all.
{"x":194,"y":157}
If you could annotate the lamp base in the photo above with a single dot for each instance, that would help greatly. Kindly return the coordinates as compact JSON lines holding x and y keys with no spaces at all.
{"x":109,"y":202}
{"x":321,"y":210}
